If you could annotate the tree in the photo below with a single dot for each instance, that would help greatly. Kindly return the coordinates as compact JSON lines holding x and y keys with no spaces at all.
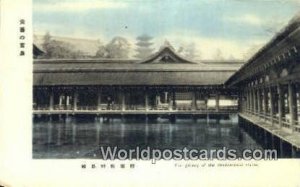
{"x":46,"y":44}
{"x":102,"y":51}
{"x":218,"y":55}
{"x":118,"y":47}
{"x":188,"y":51}
{"x":144,"y":46}
{"x":59,"y":49}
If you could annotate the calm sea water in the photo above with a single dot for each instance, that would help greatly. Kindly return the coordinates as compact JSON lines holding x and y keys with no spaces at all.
{"x":83,"y":138}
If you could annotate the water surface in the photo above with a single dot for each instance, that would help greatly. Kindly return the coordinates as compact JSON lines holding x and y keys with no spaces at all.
{"x":83,"y":138}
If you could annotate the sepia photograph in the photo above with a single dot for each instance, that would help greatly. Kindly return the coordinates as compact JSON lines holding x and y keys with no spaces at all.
{"x":165,"y":75}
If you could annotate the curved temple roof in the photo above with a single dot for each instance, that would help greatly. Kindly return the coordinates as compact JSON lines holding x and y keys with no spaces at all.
{"x":166,"y":55}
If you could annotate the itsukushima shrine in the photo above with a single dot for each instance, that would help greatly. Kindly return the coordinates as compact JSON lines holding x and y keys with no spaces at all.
{"x":264,"y":91}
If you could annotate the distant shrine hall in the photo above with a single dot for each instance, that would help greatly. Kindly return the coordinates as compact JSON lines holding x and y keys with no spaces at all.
{"x":165,"y":82}
{"x":267,"y":85}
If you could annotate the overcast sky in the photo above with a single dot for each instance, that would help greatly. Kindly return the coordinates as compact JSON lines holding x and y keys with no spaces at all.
{"x":233,"y":26}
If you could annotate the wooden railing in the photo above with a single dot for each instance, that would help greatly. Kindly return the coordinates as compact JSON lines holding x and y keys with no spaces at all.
{"x":118,"y":107}
{"x":285,"y":121}
{"x":297,"y":126}
{"x":87,"y":108}
{"x":41,"y":107}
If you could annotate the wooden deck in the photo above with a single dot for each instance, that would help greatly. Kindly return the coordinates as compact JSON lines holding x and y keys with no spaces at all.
{"x":283,"y":133}
{"x":133,"y":112}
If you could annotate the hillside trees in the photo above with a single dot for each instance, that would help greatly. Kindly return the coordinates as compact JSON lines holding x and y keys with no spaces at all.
{"x":58,"y":49}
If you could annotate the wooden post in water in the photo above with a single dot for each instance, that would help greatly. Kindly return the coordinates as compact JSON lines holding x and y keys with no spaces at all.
{"x":280,"y":103}
{"x":281,"y":147}
{"x":265,"y":137}
{"x":74,"y":132}
{"x":272,"y":141}
{"x":292,"y":105}
{"x":146,"y":101}
{"x":293,"y":152}
{"x":271,"y":105}
{"x":49,"y":132}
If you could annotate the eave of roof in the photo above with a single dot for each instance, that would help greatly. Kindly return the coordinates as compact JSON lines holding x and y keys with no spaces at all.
{"x":174,"y":78}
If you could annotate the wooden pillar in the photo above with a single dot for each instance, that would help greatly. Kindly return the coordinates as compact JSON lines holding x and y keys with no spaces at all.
{"x":51,"y":102}
{"x":250,"y":100}
{"x":265,"y":99}
{"x":258,"y":102}
{"x":99,"y":99}
{"x":217,"y":102}
{"x":206,"y":97}
{"x":146,"y":100}
{"x":194,"y":101}
{"x":292,"y":104}
{"x":241,"y":102}
{"x":64,"y":100}
{"x":123,"y":105}
{"x":244,"y":101}
{"x":75,"y":99}
{"x":60,"y":100}
{"x":173,"y":99}
{"x":280,"y":103}
{"x":247,"y":100}
{"x":170,"y":102}
{"x":254,"y":101}
{"x":271,"y":105}
{"x":67,"y":100}
{"x":166,"y":94}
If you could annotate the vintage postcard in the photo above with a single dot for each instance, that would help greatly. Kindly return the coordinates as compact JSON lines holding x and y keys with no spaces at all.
{"x":150,"y":93}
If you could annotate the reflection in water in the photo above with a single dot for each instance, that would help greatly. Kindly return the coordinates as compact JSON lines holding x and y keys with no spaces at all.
{"x":146,"y":132}
{"x":73,"y":133}
{"x":98,"y":128}
{"x":49,"y":132}
{"x":82,"y":139}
